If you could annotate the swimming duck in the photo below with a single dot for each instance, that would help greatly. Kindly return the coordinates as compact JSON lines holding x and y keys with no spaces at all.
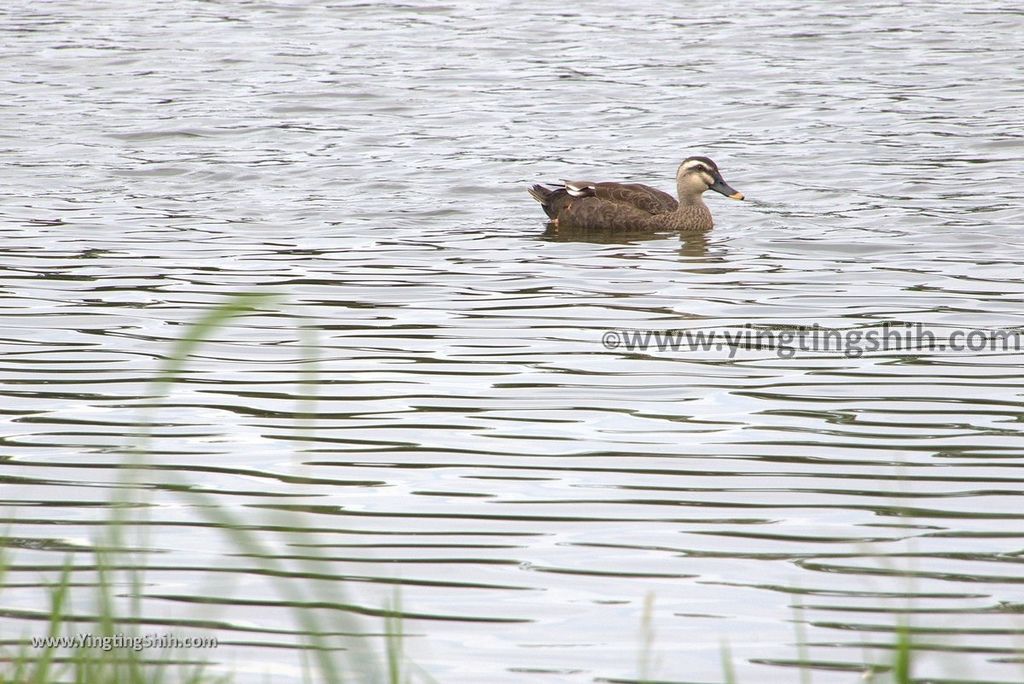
{"x":636,"y":207}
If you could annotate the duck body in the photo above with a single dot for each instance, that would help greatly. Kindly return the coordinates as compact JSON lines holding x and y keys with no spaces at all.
{"x":634,"y":206}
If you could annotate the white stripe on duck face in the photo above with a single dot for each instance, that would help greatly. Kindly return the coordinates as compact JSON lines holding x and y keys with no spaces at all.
{"x":694,"y":165}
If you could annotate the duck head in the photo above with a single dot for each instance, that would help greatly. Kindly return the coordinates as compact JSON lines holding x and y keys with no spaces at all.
{"x":697,"y":174}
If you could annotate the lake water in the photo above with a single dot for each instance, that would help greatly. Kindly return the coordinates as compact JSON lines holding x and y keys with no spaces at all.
{"x":429,"y":404}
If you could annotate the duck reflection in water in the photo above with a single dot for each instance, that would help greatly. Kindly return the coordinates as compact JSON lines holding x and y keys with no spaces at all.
{"x":692,"y":245}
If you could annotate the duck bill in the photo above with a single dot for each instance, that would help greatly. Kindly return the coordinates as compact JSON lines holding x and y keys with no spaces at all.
{"x":721,"y":186}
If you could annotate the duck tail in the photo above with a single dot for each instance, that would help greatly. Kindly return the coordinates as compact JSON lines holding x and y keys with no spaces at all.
{"x":540,"y":193}
{"x":551,"y":200}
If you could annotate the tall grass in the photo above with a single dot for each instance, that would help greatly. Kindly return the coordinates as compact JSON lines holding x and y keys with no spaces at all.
{"x":336,"y":654}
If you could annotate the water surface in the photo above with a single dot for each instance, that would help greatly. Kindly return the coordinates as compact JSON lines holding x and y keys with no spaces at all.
{"x":472,"y":442}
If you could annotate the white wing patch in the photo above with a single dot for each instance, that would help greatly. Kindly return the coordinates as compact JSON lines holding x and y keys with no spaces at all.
{"x":580,"y":188}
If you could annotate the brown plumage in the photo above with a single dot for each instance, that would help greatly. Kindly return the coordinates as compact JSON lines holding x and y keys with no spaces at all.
{"x":633,"y":206}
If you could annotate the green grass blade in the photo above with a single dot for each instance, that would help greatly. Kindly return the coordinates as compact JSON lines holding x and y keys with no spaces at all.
{"x":903,"y":657}
{"x":728,"y":672}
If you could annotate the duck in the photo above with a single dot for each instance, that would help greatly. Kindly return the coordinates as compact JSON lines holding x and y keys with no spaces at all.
{"x":584,"y":205}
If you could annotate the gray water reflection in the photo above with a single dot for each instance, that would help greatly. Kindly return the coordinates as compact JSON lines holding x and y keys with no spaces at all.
{"x":466,"y":437}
